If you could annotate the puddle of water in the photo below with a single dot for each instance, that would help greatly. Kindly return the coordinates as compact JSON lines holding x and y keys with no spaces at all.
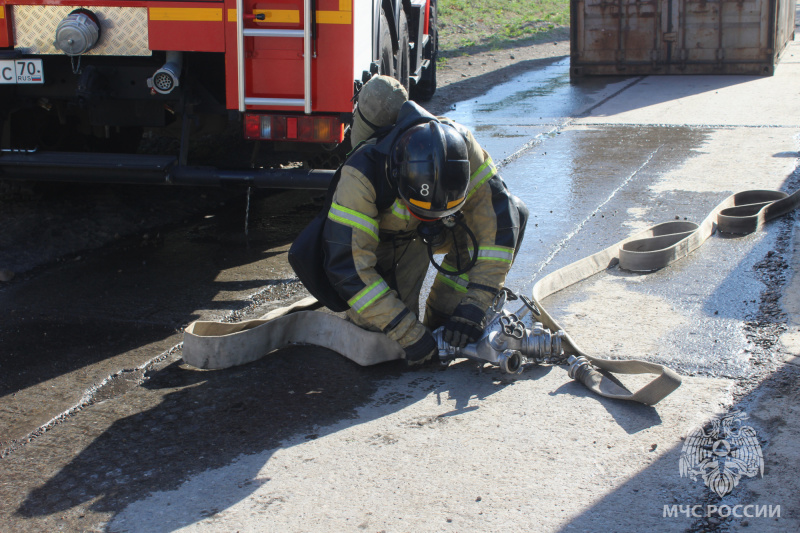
{"x":531,"y":108}
{"x":569,"y":183}
{"x":531,"y":98}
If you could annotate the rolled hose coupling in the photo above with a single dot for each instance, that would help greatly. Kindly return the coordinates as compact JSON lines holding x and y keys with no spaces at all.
{"x":540,"y":343}
{"x":580,"y":368}
{"x":507,"y":344}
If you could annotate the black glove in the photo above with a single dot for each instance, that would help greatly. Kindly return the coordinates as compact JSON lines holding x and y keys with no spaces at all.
{"x":421,"y":350}
{"x":465,"y":325}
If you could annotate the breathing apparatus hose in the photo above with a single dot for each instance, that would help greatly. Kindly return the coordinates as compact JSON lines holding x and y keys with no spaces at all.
{"x":432,"y":235}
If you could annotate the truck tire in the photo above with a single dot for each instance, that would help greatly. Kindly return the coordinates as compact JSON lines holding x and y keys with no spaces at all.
{"x":424,"y":89}
{"x":401,"y":58}
{"x":386,"y":57}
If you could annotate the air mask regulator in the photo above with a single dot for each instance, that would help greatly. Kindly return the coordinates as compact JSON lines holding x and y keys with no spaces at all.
{"x":506,"y":342}
{"x":434,"y":234}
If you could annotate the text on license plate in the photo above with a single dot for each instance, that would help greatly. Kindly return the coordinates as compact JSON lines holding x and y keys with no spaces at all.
{"x":21,"y":71}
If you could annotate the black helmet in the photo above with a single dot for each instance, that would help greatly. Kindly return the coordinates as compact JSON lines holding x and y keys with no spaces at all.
{"x":430,"y":165}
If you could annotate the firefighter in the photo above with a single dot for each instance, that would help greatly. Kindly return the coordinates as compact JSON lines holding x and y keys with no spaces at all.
{"x":417,"y":185}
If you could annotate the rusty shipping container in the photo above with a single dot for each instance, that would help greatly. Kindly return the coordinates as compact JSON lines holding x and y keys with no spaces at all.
{"x":634,"y":37}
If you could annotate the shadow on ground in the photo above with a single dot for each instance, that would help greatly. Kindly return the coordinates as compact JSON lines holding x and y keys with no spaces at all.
{"x":209,"y":419}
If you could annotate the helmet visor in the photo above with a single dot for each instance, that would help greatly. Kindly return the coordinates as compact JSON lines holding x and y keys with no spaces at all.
{"x":426,"y":211}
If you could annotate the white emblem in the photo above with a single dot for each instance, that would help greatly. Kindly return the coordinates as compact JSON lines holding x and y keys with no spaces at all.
{"x":723,"y":455}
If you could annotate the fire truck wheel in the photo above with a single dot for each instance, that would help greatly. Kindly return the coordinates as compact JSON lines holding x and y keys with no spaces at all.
{"x":387,"y":58}
{"x":401,"y":57}
{"x":424,"y":89}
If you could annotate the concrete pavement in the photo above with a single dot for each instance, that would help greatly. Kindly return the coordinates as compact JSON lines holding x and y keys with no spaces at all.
{"x":463,"y":450}
{"x":304,"y":440}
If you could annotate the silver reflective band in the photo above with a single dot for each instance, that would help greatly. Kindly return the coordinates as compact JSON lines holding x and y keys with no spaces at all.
{"x":363,"y":299}
{"x":400,"y":211}
{"x":353,"y":218}
{"x":459,"y":283}
{"x":496,"y":253}
{"x":484,"y":172}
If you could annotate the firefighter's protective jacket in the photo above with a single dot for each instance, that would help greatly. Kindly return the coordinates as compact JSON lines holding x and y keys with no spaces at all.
{"x":367,"y":220}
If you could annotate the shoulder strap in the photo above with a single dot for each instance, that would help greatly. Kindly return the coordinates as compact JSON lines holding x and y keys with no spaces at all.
{"x":326,"y":206}
{"x":372,"y":164}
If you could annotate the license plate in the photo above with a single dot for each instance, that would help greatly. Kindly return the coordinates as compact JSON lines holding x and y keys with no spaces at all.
{"x":20,"y":71}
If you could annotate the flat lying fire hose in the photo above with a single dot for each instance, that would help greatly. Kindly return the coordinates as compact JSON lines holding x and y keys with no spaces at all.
{"x":222,"y":345}
{"x":646,"y":251}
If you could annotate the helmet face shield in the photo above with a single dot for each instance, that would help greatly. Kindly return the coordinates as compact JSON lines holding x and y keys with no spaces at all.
{"x":430,"y":165}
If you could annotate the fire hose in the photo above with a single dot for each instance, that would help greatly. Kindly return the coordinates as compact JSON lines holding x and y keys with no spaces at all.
{"x":505,"y":343}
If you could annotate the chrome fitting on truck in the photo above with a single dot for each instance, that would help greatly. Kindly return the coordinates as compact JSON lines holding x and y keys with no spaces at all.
{"x":78,"y":32}
{"x":167,"y":77}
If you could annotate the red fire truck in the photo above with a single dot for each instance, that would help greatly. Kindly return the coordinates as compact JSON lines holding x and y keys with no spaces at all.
{"x":81,"y":80}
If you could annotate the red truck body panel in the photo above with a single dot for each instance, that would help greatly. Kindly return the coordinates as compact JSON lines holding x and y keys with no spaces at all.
{"x":273,"y":66}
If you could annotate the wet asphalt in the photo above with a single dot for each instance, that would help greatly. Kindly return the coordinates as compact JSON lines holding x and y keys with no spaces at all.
{"x":103,"y":332}
{"x":97,"y":409}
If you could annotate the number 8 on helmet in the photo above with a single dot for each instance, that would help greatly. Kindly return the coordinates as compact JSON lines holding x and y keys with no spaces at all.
{"x":429,"y":165}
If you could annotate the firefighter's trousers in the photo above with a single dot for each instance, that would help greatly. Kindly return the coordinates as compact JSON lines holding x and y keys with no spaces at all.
{"x":404,"y":264}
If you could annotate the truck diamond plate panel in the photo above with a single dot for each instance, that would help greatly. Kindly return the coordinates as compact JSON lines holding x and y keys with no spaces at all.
{"x":123,"y":30}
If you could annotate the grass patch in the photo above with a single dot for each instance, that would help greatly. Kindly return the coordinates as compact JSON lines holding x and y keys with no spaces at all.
{"x":467,"y":27}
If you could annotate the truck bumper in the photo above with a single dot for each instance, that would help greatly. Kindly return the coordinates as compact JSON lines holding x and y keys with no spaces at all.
{"x":149,"y":170}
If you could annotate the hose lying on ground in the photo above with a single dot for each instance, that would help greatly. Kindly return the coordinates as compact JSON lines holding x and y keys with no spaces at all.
{"x":221,"y":345}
